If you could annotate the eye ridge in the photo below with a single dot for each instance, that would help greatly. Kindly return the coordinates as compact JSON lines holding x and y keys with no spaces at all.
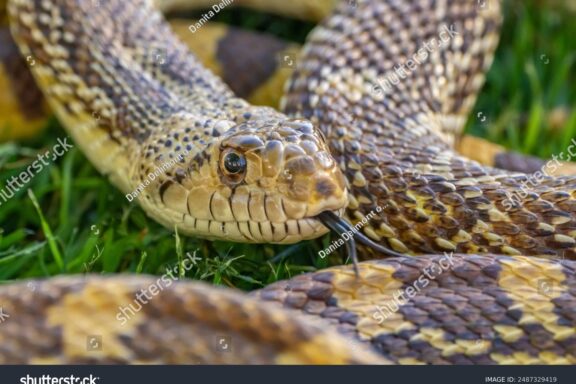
{"x":234,"y":163}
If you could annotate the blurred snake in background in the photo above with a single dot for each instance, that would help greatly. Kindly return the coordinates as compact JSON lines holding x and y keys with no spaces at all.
{"x":482,"y":273}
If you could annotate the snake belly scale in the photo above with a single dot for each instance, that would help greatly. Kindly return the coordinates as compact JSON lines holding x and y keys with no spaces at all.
{"x":252,"y":174}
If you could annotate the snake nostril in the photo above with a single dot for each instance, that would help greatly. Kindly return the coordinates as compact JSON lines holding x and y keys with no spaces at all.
{"x":325,"y":188}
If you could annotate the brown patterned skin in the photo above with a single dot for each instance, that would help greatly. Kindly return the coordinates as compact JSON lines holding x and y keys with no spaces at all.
{"x":151,"y":320}
{"x":248,"y":62}
{"x":124,"y":110}
{"x":451,"y":309}
{"x":486,"y":309}
{"x":395,"y":146}
{"x":23,"y":108}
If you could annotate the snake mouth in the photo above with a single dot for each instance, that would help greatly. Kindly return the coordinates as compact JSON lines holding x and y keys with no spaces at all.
{"x":340,"y":226}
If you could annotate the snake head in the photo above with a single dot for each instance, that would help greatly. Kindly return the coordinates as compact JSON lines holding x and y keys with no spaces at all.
{"x":288,"y":160}
{"x":279,"y":176}
{"x":257,"y":181}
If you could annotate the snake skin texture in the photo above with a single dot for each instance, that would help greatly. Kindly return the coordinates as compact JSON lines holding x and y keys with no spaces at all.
{"x":343,"y":144}
{"x":452,"y":309}
{"x":396,"y":148}
{"x":249,"y":62}
{"x":182,"y":323}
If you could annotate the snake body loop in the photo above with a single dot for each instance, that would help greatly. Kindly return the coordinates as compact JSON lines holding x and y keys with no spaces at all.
{"x":134,"y":99}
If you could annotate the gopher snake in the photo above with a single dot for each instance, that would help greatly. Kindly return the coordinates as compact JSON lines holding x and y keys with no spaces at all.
{"x":252,"y":174}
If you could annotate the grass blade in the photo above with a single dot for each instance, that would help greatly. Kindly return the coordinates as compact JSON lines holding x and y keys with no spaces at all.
{"x":47,"y":232}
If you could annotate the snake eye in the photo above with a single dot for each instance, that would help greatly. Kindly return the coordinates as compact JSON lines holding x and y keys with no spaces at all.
{"x":234,"y":163}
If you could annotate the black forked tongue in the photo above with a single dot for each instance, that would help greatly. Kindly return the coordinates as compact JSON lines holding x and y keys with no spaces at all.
{"x":341,"y":226}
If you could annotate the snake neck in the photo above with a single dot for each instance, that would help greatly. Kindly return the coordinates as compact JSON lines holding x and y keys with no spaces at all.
{"x":113,"y":84}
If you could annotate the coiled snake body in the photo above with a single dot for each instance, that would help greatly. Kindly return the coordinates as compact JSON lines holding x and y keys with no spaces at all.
{"x":233,"y":171}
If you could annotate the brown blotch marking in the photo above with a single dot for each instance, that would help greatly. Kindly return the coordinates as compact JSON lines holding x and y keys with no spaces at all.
{"x":20,"y":79}
{"x":376,"y":286}
{"x":245,"y":73}
{"x":533,"y":284}
{"x":93,"y":310}
{"x":325,"y":187}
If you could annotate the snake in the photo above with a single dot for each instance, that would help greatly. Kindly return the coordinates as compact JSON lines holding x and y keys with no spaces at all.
{"x":461,"y":265}
{"x":247,"y":61}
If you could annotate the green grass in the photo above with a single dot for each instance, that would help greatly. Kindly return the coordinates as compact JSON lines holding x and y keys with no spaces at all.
{"x":73,"y":221}
{"x":533,"y":74}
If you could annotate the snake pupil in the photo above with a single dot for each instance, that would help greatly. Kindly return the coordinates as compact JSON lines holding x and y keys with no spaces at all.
{"x":234,"y":163}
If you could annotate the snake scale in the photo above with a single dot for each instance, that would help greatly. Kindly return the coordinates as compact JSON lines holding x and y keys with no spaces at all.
{"x":343,"y":147}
